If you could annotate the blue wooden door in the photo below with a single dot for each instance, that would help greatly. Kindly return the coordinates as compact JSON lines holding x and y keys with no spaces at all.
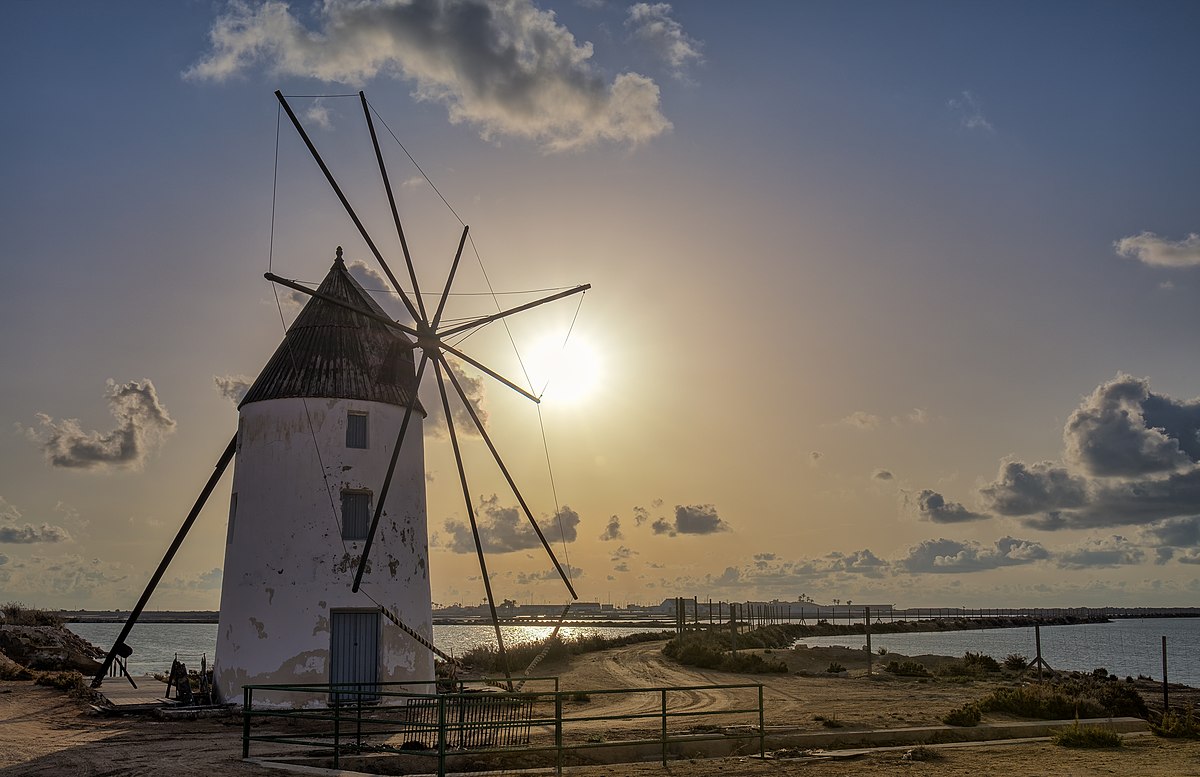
{"x":354,"y":652}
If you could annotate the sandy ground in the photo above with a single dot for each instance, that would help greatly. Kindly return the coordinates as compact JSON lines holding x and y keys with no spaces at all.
{"x":44,"y":732}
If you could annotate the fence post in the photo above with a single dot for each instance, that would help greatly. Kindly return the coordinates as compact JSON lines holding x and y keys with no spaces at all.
{"x":358,"y":724}
{"x":762,"y":726}
{"x":867,"y":624}
{"x":663,"y":694}
{"x":247,"y":698}
{"x":441,"y":736}
{"x":1166,"y":695}
{"x":337,"y":732}
{"x":558,"y":734}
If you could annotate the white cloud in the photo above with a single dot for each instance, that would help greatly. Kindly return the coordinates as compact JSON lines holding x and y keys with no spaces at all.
{"x":970,"y":112}
{"x":652,"y":25}
{"x":1156,"y":251}
{"x":507,"y":68}
{"x":861,"y":419}
{"x":233,"y":387}
{"x":142,"y":423}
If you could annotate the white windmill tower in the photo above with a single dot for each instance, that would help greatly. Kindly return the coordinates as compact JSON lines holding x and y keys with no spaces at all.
{"x":315,"y":436}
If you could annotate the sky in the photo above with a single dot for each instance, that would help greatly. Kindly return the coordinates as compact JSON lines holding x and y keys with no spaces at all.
{"x":892,"y":302}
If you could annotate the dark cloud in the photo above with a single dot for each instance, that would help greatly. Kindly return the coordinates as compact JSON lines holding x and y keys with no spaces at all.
{"x":950,"y":556}
{"x":622,"y":553}
{"x":651,"y":25}
{"x":28,"y":534}
{"x":612,"y":531}
{"x":640,"y":516}
{"x":882,"y":474}
{"x":1025,"y":489}
{"x":697,"y":519}
{"x":663,"y":526}
{"x":1176,"y":532}
{"x":142,"y":423}
{"x":1113,"y":551}
{"x":233,"y":387}
{"x":814,"y":457}
{"x":1125,"y":430}
{"x":529,"y":578}
{"x":932,"y":506}
{"x":860,"y":562}
{"x":765,"y":557}
{"x":621,"y":567}
{"x":431,"y":399}
{"x":509,"y":69}
{"x":506,"y":529}
{"x":1124,"y":502}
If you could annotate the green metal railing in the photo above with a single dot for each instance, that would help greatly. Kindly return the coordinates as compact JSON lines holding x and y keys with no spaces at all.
{"x":438,"y":726}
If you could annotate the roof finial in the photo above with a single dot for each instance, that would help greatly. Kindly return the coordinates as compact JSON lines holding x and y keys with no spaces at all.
{"x":339,"y":255}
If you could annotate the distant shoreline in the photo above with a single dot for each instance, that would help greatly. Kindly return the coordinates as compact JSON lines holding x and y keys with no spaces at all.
{"x":817,"y":628}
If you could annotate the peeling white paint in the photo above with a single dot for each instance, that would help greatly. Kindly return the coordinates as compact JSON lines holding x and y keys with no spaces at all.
{"x":286,"y":565}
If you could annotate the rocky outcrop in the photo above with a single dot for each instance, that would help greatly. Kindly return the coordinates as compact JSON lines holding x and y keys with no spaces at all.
{"x":49,"y":648}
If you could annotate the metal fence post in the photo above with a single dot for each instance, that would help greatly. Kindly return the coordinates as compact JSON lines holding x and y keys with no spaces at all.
{"x":663,"y":694}
{"x":762,"y":726}
{"x":337,"y":732}
{"x":558,"y":732}
{"x":247,"y":696}
{"x":441,"y":736}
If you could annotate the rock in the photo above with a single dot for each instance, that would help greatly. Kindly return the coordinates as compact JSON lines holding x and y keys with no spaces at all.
{"x":49,"y":648}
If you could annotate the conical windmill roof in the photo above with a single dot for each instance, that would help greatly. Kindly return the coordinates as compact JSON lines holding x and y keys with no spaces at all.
{"x":335,"y":353}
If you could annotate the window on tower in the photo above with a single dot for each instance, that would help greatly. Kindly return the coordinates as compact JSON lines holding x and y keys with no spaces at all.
{"x":356,"y":430}
{"x":356,"y":514}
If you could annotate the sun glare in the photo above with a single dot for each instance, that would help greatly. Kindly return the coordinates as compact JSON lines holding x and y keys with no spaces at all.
{"x":569,"y":375}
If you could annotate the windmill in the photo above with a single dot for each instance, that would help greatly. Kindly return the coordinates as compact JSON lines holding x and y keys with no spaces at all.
{"x":429,"y":337}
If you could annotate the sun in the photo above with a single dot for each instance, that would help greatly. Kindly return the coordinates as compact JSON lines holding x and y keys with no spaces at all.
{"x":567,"y":375}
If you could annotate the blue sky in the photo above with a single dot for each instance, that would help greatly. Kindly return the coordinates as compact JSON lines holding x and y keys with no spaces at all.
{"x":860,"y":291}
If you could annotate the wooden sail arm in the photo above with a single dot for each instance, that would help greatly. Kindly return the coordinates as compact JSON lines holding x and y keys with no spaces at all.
{"x":520,"y":308}
{"x":408,"y":330}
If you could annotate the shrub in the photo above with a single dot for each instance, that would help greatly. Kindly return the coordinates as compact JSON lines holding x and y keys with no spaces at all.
{"x":906,"y":669}
{"x":922,"y":753}
{"x":1178,"y":726}
{"x":966,"y":715}
{"x":834,"y":668}
{"x":1016,"y":662}
{"x":709,"y":650}
{"x":1086,"y":736}
{"x":17,"y":614}
{"x":487,"y":658}
{"x":72,"y":682}
{"x":980,"y":662}
{"x":1081,"y":696}
{"x":881,"y":650}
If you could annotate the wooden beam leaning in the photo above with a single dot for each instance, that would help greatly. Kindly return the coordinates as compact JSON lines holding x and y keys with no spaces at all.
{"x":362,"y":230}
{"x":505,"y":313}
{"x":119,"y":644}
{"x":488,"y":371}
{"x":437,"y":317}
{"x":408,"y":330}
{"x":387,"y":186}
{"x":504,"y":470}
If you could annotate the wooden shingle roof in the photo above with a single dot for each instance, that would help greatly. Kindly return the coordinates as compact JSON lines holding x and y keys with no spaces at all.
{"x":335,"y":353}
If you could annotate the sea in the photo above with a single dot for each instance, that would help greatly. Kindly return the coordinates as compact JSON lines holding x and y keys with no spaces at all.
{"x":1124,"y":647}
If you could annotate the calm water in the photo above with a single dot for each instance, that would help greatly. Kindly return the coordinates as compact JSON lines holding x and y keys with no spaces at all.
{"x":156,"y":644}
{"x":1123,"y":647}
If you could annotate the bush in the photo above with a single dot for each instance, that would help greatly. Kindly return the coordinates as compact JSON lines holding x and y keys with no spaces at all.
{"x":487,"y":658}
{"x":922,"y":753}
{"x":1176,"y":726}
{"x":835,"y":668}
{"x":1016,"y":662}
{"x":709,"y":650}
{"x":17,"y":614}
{"x":906,"y":669}
{"x":72,"y":682}
{"x":1086,"y":736}
{"x":980,"y":662}
{"x":1076,"y":697}
{"x":966,"y":715}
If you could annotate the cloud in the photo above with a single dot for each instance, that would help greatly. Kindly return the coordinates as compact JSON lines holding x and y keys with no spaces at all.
{"x":472,"y":386}
{"x":1149,"y":248}
{"x":932,"y":506}
{"x":970,"y":112}
{"x":204,"y":581}
{"x":1024,"y":489}
{"x":623,"y":553}
{"x":233,"y":387}
{"x":505,"y":529}
{"x":142,"y":423}
{"x":612,"y":531}
{"x":1113,"y":551}
{"x":651,"y":24}
{"x":1124,"y":429}
{"x":698,"y":519}
{"x":861,"y":419}
{"x":529,"y":578}
{"x":860,"y":562}
{"x":950,"y":556}
{"x":318,"y":114}
{"x":814,"y":457}
{"x":508,"y":69}
{"x":662,"y":526}
{"x":640,"y":515}
{"x":882,"y":474}
{"x":1174,"y":532}
{"x":28,"y":534}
